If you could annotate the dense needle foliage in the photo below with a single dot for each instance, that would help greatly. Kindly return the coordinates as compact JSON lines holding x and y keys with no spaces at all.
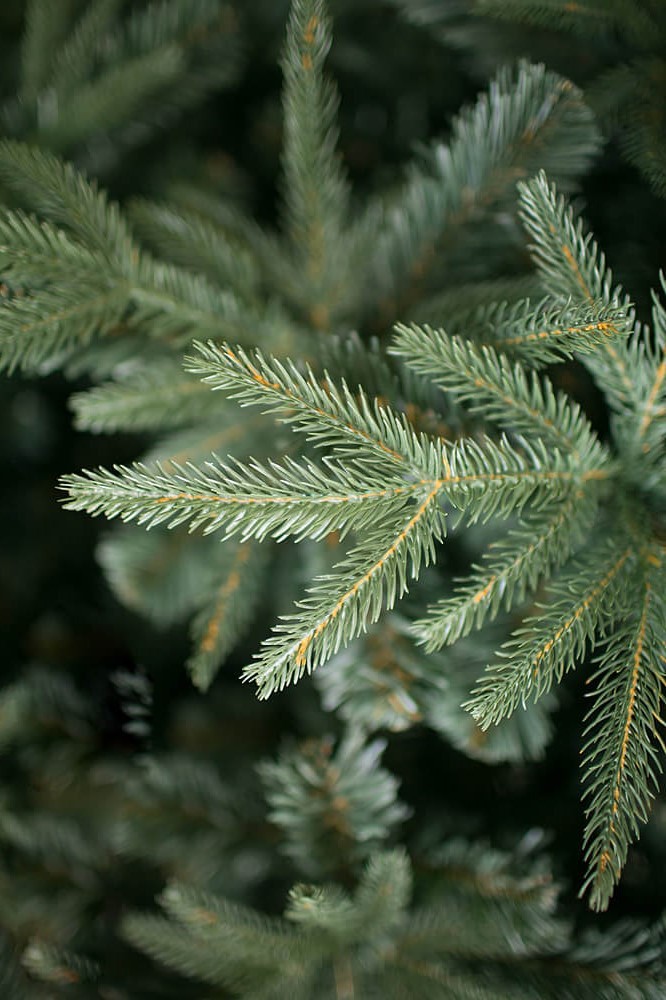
{"x":377,"y":400}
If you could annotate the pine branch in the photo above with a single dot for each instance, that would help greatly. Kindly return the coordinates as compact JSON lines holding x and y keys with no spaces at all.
{"x":190,"y":241}
{"x":64,"y":196}
{"x":536,"y":334}
{"x":316,"y":190}
{"x":500,"y":392}
{"x":583,"y":601}
{"x":106,"y":103}
{"x":280,"y":500}
{"x":585,"y":17}
{"x":227,"y":613}
{"x":41,"y":329}
{"x":511,"y":568}
{"x":75,"y":60}
{"x":154,"y":397}
{"x":571,"y":265}
{"x":529,"y":119}
{"x":328,"y":414}
{"x":46,"y":26}
{"x":621,"y":764}
{"x":341,"y":605}
{"x":34,"y":253}
{"x":649,"y":438}
{"x":334,"y":806}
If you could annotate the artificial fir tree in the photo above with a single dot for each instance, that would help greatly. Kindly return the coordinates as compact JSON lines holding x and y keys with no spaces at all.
{"x":421,"y":410}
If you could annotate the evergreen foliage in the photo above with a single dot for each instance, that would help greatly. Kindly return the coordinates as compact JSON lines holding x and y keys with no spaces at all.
{"x":91,"y":322}
{"x":370,"y":400}
{"x":394,"y":488}
{"x":461,"y":919}
{"x":623,"y":75}
{"x":97,"y":78}
{"x":331,"y":944}
{"x":389,"y":484}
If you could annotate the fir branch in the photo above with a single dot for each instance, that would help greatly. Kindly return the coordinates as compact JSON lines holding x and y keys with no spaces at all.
{"x":114,"y":356}
{"x":326,"y":413}
{"x":154,"y":397}
{"x":381,"y":898}
{"x":37,"y":253}
{"x":59,"y":968}
{"x":511,"y":568}
{"x":483,"y":478}
{"x":649,"y":438}
{"x":173,"y":303}
{"x":227,"y":612}
{"x":218,"y":435}
{"x":316,"y":191}
{"x":376,"y":571}
{"x":625,"y":960}
{"x":384,"y":682}
{"x":583,"y":17}
{"x":108,"y":101}
{"x":454,"y":308}
{"x":190,"y":241}
{"x":571,"y":265}
{"x":334,"y":805}
{"x":628,"y":94}
{"x":380,"y":681}
{"x":234,"y":224}
{"x":641,"y":122}
{"x":492,"y":899}
{"x":530,"y":118}
{"x":629,"y":18}
{"x":503,"y":393}
{"x":46,"y":26}
{"x":13,"y":981}
{"x":341,"y":605}
{"x":39,"y":329}
{"x":209,"y":939}
{"x":75,"y":60}
{"x":620,"y":760}
{"x":537,"y":334}
{"x":49,"y":838}
{"x":120,"y":78}
{"x":64,"y":196}
{"x":296,"y":498}
{"x":583,"y":601}
{"x":280,"y":500}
